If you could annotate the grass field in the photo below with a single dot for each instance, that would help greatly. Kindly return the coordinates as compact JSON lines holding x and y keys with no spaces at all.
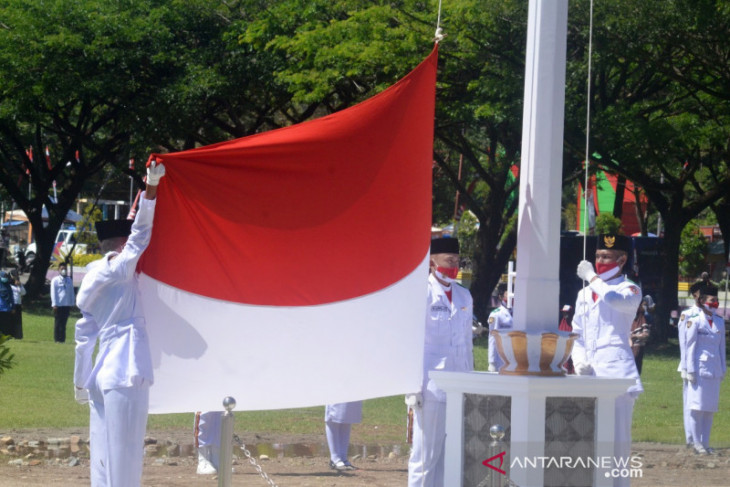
{"x":38,"y":393}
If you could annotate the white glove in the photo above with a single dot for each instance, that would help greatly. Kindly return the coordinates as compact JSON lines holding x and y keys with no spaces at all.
{"x":155,"y":172}
{"x":683,"y":374}
{"x":691,"y":377}
{"x":414,"y":401}
{"x":81,"y":395}
{"x":585,"y":271}
{"x":492,"y":368}
{"x":583,"y":368}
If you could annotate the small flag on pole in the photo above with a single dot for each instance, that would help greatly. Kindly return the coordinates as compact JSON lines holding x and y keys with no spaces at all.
{"x":48,"y":158}
{"x":48,"y":163}
{"x":29,"y":153}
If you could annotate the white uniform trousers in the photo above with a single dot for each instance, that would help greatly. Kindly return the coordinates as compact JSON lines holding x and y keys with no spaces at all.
{"x":700,"y":423}
{"x":116,"y":428}
{"x":622,"y":434}
{"x":209,"y":428}
{"x":338,"y":439}
{"x":686,"y":413}
{"x":426,"y":463}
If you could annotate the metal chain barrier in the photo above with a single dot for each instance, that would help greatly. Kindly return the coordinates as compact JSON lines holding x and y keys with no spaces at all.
{"x":253,"y":462}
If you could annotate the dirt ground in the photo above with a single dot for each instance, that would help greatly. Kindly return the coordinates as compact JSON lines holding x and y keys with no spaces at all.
{"x":663,"y":465}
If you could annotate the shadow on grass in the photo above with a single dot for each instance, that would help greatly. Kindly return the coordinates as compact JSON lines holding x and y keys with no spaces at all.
{"x":42,"y":307}
{"x":668,"y":350}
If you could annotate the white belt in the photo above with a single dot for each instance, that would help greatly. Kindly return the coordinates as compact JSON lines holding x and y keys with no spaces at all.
{"x":608,"y":341}
{"x":444,"y":349}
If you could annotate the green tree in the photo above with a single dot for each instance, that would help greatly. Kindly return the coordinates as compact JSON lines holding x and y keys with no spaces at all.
{"x":607,"y":223}
{"x":466,"y":230}
{"x":96,"y":81}
{"x":692,"y":252}
{"x":86,"y":231}
{"x":340,"y":52}
{"x":75,"y":77}
{"x":659,"y":110}
{"x":721,"y":209}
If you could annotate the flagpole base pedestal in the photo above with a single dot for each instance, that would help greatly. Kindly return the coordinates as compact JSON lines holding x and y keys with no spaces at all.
{"x":546,"y":421}
{"x":533,"y":353}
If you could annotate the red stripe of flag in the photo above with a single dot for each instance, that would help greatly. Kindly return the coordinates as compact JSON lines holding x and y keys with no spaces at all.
{"x":323,"y":211}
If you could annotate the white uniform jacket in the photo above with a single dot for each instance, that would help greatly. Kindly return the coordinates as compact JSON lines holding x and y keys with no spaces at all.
{"x":705,"y":358}
{"x":112,"y":313}
{"x":603,"y":326}
{"x":62,"y":291}
{"x":705,"y":352}
{"x":18,"y":293}
{"x":499,"y":319}
{"x":448,"y":341}
{"x":682,"y":336}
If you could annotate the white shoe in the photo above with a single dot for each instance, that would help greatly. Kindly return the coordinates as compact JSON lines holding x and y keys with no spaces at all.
{"x":205,"y":467}
{"x":700,"y":450}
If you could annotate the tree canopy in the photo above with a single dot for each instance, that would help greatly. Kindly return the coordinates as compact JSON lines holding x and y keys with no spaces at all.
{"x":100,"y":81}
{"x":80,"y":78}
{"x":659,"y":110}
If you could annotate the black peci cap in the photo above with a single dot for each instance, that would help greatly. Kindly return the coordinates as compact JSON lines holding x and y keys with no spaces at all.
{"x":695,"y":287}
{"x":444,"y":245}
{"x":612,"y":241}
{"x":113,"y":228}
{"x":707,"y":290}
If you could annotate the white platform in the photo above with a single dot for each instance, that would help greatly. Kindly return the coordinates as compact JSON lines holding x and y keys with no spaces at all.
{"x":528,"y":395}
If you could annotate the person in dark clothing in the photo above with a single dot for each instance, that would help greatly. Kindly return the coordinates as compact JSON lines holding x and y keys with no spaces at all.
{"x":7,"y":305}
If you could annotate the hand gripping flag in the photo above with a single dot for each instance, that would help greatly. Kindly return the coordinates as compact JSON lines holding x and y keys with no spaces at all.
{"x":288,"y":268}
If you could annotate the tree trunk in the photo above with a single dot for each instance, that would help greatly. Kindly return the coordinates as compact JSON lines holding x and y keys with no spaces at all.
{"x":722,"y":213}
{"x":667,"y":294}
{"x":490,"y":262}
{"x":37,"y":278}
{"x":45,"y":237}
{"x":642,"y":213}
{"x":618,"y":202}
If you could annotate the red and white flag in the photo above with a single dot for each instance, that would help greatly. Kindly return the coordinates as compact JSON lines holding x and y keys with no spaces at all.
{"x":289,"y":268}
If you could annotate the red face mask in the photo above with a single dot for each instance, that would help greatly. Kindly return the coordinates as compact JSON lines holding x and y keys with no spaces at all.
{"x":714,"y":305}
{"x":450,"y":272}
{"x":601,"y":267}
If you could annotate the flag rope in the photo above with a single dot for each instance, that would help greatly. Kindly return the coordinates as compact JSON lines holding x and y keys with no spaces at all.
{"x":439,"y":35}
{"x":588,"y":128}
{"x":587,"y":159}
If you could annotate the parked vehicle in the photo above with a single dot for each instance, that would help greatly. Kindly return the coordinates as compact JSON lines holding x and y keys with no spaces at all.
{"x":64,"y":242}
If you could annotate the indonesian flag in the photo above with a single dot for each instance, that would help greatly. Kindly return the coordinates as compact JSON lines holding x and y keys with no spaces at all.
{"x":289,"y":268}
